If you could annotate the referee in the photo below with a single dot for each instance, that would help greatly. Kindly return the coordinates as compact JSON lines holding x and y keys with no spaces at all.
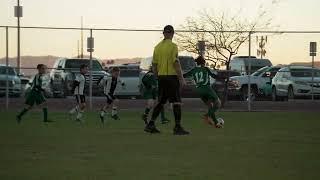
{"x":167,"y":67}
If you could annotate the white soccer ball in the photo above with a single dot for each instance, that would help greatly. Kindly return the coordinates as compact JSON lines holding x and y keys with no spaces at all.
{"x":220,"y":122}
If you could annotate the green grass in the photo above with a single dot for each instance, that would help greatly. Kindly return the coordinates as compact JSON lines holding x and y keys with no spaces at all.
{"x":251,"y":146}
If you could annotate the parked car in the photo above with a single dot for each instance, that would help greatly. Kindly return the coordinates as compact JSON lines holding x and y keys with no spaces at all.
{"x":64,"y":72}
{"x":187,"y":63}
{"x":129,"y":73}
{"x":218,"y":84}
{"x":295,"y":81}
{"x":14,"y":81}
{"x":241,"y":64}
{"x":260,"y":83}
{"x":46,"y":85}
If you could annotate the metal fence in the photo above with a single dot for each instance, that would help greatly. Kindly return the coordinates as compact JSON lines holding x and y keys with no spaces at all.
{"x":292,"y":46}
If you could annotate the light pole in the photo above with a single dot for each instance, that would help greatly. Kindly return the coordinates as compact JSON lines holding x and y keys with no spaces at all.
{"x":313,"y":53}
{"x":18,"y":13}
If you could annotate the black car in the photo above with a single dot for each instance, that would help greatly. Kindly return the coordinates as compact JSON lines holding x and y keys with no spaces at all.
{"x":64,"y":72}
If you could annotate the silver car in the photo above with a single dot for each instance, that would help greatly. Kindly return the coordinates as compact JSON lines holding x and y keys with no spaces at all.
{"x":295,"y":81}
{"x":14,"y":81}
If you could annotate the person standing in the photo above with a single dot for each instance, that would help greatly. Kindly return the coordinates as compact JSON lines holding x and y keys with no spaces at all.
{"x":166,"y":67}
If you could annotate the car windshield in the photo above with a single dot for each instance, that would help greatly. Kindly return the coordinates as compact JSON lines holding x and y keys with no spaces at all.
{"x":11,"y":71}
{"x":304,"y":72}
{"x":129,"y":73}
{"x":260,"y":71}
{"x":187,"y":63}
{"x":75,"y":64}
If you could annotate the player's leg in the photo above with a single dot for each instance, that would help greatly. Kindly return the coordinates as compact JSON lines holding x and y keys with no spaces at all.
{"x":214,"y":104}
{"x":30,"y":100}
{"x":105,"y":108}
{"x":149,"y":106}
{"x":76,"y":108}
{"x":82,"y":107}
{"x":163,"y":98}
{"x":114,"y":111}
{"x":41,"y":102}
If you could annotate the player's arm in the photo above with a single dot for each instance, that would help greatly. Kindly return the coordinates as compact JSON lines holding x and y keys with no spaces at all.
{"x":121,"y":82}
{"x":75,"y":84}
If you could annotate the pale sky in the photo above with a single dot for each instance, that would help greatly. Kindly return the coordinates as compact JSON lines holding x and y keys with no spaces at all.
{"x":149,"y":14}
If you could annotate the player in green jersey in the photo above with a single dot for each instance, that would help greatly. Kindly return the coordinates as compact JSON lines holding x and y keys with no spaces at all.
{"x":201,"y":76}
{"x":150,"y":93}
{"x":36,"y":95}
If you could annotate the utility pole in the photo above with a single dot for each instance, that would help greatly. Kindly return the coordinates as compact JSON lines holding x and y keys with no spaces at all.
{"x":81,"y":43}
{"x":18,"y":13}
{"x":262,"y":41}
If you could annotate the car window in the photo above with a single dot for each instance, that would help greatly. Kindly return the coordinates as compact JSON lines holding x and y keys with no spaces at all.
{"x":11,"y":71}
{"x":304,"y":73}
{"x":75,"y":64}
{"x":129,"y":73}
{"x":260,"y":71}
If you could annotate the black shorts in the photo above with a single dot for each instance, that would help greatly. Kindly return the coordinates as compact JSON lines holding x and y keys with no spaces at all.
{"x":169,"y":89}
{"x":110,"y":98}
{"x":81,"y":99}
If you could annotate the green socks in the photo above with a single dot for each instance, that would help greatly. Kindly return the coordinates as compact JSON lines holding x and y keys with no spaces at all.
{"x":162,"y":115}
{"x":45,"y":114}
{"x":212,"y":115}
{"x":23,"y":112}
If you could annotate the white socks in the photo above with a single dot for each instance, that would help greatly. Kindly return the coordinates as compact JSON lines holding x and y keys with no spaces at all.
{"x":74,"y":110}
{"x":114,"y":111}
{"x":79,"y":115}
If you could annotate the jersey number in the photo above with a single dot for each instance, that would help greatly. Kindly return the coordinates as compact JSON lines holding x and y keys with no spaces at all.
{"x":199,"y":77}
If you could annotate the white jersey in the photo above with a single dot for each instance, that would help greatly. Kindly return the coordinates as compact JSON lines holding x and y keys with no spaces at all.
{"x":81,"y":79}
{"x":110,"y":84}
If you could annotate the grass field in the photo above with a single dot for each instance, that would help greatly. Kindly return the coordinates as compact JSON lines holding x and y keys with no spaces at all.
{"x":251,"y":146}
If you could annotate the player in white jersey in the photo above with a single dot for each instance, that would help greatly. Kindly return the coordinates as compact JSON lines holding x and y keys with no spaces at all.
{"x":78,"y":91}
{"x":109,"y":84}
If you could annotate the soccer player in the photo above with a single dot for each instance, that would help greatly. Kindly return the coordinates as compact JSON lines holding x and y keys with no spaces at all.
{"x":201,"y":76}
{"x":109,"y":85}
{"x":78,"y":91}
{"x":150,"y":93}
{"x":36,"y":95}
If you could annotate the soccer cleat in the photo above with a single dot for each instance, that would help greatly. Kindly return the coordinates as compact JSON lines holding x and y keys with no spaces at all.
{"x":115,"y":117}
{"x":18,"y":118}
{"x":208,"y":120}
{"x":145,"y":118}
{"x":178,"y":130}
{"x":151,"y":129}
{"x":165,"y":121}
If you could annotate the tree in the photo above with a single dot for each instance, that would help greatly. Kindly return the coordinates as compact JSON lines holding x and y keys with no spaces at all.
{"x":223,"y":36}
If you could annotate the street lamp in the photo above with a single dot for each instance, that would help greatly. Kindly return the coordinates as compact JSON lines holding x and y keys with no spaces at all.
{"x":18,"y":13}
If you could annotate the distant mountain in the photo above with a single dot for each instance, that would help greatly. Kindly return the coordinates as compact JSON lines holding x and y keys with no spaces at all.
{"x":28,"y":62}
{"x":316,"y":64}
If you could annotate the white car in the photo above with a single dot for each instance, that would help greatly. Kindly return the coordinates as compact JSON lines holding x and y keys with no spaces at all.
{"x":295,"y":81}
{"x":259,"y":80}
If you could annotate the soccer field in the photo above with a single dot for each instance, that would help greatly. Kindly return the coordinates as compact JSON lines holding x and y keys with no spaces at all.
{"x":251,"y":146}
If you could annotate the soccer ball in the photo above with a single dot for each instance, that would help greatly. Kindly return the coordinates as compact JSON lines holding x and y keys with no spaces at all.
{"x":220,"y":123}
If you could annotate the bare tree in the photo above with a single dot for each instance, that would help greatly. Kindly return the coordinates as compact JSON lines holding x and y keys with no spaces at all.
{"x":223,"y":36}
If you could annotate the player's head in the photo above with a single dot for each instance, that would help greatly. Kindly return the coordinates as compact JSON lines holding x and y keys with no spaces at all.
{"x":168,"y":32}
{"x":115,"y":72}
{"x":200,"y":61}
{"x":83,"y":69}
{"x":41,"y":68}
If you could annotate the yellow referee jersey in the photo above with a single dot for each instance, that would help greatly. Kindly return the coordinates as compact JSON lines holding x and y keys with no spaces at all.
{"x":165,"y":55}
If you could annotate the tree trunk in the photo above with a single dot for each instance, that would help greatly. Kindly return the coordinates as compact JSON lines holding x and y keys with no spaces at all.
{"x":226,"y":85}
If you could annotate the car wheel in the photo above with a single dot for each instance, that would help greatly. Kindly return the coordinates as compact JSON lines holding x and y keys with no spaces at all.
{"x":290,"y":93}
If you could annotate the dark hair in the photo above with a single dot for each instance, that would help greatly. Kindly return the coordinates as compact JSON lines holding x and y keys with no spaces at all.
{"x":168,"y":29}
{"x":200,"y":60}
{"x":83,"y":66}
{"x":115,"y":69}
{"x":40,"y":66}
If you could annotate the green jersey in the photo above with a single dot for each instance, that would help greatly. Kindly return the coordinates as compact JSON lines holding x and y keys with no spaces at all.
{"x":201,"y":76}
{"x":150,"y":81}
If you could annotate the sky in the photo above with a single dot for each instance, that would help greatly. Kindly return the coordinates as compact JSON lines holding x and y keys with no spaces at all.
{"x":149,"y":14}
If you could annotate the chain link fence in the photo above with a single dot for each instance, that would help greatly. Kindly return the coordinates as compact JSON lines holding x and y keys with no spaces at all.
{"x":271,"y":71}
